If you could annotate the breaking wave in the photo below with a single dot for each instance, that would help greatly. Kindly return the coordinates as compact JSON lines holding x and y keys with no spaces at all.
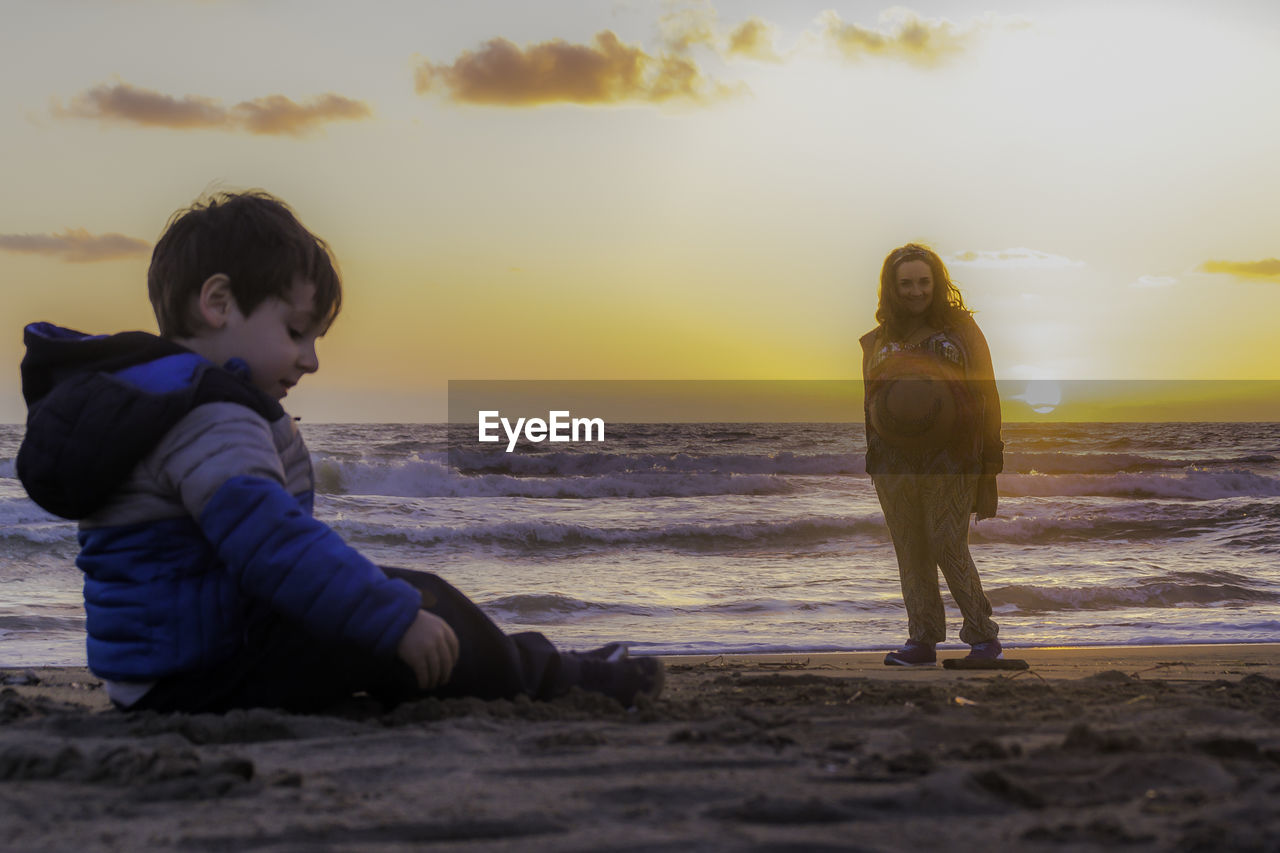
{"x":1194,"y":484}
{"x":1191,"y":589}
{"x":533,"y":534}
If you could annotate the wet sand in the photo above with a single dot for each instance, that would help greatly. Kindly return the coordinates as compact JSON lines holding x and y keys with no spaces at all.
{"x":1146,"y":748}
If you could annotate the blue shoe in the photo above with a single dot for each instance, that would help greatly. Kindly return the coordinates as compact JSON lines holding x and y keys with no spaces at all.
{"x":990,"y":650}
{"x":912,"y":654}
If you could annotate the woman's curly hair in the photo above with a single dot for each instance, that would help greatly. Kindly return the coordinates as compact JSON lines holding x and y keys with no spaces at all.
{"x":947,"y":306}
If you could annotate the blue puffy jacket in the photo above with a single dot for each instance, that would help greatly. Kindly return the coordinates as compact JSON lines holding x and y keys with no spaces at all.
{"x":193,"y":491}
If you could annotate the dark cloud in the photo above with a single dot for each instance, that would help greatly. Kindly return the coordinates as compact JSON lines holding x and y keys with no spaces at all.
{"x":270,"y":115}
{"x":1268,"y":268}
{"x":753,"y":38}
{"x":75,"y":245}
{"x":607,"y":71}
{"x":908,"y":37}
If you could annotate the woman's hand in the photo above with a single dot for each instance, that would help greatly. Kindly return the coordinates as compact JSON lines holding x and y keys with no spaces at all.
{"x":986,"y":500}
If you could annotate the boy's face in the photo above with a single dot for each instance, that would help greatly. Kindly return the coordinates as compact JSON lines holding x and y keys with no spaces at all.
{"x":277,"y":341}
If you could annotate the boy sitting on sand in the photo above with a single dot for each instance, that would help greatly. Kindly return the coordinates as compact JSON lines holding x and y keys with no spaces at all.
{"x":208,"y":583}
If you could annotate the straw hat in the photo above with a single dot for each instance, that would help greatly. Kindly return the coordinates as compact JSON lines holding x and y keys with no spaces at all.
{"x":913,"y":406}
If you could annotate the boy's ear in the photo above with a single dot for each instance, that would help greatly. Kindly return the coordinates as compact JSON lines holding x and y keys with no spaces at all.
{"x":216,"y":300}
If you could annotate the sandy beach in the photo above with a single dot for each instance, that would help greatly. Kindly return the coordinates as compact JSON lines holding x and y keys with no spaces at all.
{"x":1148,"y":748}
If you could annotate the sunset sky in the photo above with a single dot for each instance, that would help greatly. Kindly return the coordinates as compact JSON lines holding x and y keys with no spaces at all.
{"x":646,"y":190}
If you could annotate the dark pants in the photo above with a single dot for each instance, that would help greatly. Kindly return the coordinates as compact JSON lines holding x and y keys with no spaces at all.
{"x":282,"y":666}
{"x":928,"y":518}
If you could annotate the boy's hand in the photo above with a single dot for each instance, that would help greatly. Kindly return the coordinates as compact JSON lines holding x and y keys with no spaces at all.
{"x":430,"y":648}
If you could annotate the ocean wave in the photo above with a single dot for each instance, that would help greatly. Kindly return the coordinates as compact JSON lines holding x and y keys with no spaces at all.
{"x":429,"y":478}
{"x":798,"y":534}
{"x":790,"y":606}
{"x":595,"y":475}
{"x":533,"y":534}
{"x":1048,"y":530}
{"x":1194,"y":484}
{"x":557,"y":608}
{"x":731,"y":435}
{"x":23,"y":521}
{"x":1207,"y":633}
{"x":62,"y":533}
{"x":1154,"y":593}
{"x":781,"y":463}
{"x":1116,"y":463}
{"x":561,"y":464}
{"x":551,"y":608}
{"x":32,"y":622}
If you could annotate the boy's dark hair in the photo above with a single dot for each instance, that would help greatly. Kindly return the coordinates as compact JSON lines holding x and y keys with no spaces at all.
{"x":255,"y":240}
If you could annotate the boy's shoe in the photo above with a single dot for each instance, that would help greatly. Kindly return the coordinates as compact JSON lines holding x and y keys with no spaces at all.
{"x":912,"y":654}
{"x":616,"y":674}
{"x":990,"y":650}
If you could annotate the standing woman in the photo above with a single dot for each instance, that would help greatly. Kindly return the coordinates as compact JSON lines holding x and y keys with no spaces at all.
{"x":933,"y":446}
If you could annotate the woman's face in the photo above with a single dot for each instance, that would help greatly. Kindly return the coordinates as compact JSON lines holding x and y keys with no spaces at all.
{"x":914,"y":287}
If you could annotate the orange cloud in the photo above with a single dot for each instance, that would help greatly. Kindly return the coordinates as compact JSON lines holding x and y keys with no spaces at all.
{"x":272,"y":115}
{"x":605,"y":72}
{"x":699,"y":26}
{"x":683,"y":28}
{"x":276,"y":114}
{"x":126,"y":103}
{"x":908,"y":37}
{"x":753,"y":38}
{"x":1269,"y":268}
{"x":75,"y":246}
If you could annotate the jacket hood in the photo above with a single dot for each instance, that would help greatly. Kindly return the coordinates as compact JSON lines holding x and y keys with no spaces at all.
{"x":55,"y":353}
{"x":98,"y":404}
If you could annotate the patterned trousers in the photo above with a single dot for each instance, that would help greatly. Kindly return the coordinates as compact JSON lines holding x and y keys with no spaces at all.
{"x":928,"y":518}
